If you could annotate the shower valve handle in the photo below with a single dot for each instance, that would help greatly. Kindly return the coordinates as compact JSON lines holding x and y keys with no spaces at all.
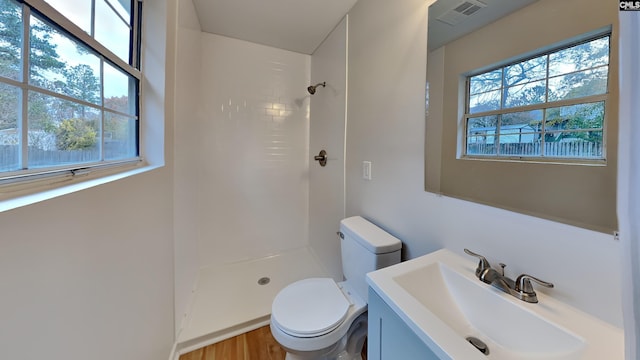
{"x":321,"y":158}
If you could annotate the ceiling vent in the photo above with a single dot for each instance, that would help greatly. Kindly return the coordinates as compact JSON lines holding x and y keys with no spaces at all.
{"x":460,"y":12}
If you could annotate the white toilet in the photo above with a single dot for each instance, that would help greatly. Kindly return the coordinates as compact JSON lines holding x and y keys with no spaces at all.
{"x":318,"y":318}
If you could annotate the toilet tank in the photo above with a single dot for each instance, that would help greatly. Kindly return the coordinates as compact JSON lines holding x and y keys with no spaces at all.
{"x":365,"y":248}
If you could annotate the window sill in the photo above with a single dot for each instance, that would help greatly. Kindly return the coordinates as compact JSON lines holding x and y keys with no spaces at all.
{"x":531,"y":160}
{"x":16,"y":196}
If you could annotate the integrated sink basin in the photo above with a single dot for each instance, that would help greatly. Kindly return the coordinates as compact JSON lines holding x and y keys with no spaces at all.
{"x":459,"y":317}
{"x":509,"y":331}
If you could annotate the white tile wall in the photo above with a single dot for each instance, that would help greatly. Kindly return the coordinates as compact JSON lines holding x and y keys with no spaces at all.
{"x":253,"y":177}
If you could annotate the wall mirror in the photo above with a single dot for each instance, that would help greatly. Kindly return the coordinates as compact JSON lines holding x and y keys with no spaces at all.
{"x":519,"y":144}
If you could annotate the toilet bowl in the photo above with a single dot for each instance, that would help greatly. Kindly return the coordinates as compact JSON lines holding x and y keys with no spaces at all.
{"x":312,"y":316}
{"x":319,"y":318}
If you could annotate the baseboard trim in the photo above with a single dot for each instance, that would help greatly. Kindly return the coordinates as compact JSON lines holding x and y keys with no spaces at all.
{"x":206,"y":340}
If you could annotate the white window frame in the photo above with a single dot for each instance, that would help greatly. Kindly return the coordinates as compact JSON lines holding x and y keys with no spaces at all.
{"x":21,"y":181}
{"x":547,"y":104}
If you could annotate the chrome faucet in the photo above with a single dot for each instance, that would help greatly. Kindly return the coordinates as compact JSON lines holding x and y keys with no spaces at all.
{"x":520,"y":288}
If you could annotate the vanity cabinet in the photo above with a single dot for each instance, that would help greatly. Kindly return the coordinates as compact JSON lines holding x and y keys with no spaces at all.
{"x":389,"y":337}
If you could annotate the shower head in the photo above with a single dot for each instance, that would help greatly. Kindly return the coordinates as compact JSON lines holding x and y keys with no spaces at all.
{"x":312,"y":89}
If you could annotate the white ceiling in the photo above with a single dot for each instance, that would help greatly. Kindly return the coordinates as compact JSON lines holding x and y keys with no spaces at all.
{"x":440,"y":33}
{"x":296,"y":25}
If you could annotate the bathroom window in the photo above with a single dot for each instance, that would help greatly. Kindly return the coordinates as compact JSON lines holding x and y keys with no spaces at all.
{"x":548,"y":106}
{"x":69,"y":85}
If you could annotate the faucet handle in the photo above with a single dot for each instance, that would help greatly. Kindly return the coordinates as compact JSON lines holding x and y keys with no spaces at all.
{"x":482,"y":265}
{"x":523,"y":284}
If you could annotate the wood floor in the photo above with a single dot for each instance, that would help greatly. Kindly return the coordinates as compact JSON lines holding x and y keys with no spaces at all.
{"x":258,"y":344}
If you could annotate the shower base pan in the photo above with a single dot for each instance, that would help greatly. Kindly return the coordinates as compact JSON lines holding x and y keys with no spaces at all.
{"x":235,"y":298}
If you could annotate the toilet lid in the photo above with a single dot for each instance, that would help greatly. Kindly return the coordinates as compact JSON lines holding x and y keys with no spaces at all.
{"x":310,"y":307}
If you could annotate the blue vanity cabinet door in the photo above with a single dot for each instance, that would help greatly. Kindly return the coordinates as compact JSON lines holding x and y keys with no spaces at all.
{"x":389,"y":338}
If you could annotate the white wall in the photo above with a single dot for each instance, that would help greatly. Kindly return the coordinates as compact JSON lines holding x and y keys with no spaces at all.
{"x":253,"y":177}
{"x":327,"y":131}
{"x":188,"y":125}
{"x":629,"y":177}
{"x":386,"y":76}
{"x":90,"y":274}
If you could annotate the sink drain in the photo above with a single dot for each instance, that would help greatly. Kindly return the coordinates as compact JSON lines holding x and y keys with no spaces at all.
{"x":263,"y":281}
{"x":478,"y":344}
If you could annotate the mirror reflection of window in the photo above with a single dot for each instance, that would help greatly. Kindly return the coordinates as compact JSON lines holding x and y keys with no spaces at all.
{"x":549,"y":106}
{"x":522,"y":111}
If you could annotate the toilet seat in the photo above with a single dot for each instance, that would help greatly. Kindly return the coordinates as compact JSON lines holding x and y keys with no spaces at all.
{"x":310,"y":307}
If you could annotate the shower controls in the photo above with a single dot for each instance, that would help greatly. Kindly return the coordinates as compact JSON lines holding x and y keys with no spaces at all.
{"x":321,"y":158}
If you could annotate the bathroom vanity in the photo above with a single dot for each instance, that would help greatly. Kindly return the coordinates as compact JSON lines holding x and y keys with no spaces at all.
{"x":435,"y":307}
{"x":390,"y":337}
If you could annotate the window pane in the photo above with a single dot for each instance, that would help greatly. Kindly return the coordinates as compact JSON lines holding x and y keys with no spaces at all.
{"x":72,"y":92}
{"x":526,"y":71}
{"x":62,"y":132}
{"x":78,"y":11}
{"x":579,"y":84}
{"x":488,"y":81}
{"x":119,"y":137}
{"x":123,"y":8}
{"x":571,"y":131}
{"x":9,"y":127}
{"x":527,"y":94}
{"x":520,"y":133}
{"x":525,"y":120}
{"x":481,"y":135}
{"x":484,"y":102}
{"x":580,"y":57}
{"x":82,"y":82}
{"x":580,"y":116}
{"x":10,"y":39}
{"x":60,"y":64}
{"x":483,"y":125}
{"x":111,"y":31}
{"x":522,"y":147}
{"x":580,"y":144}
{"x":117,"y":87}
{"x":481,"y":145}
{"x":45,"y":67}
{"x":513,"y":125}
